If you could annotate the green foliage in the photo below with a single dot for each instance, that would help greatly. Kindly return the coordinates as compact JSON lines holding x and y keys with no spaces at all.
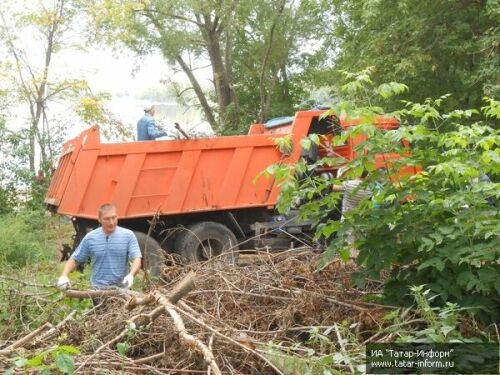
{"x":7,"y":200}
{"x":58,"y":358}
{"x":122,"y":348}
{"x":317,"y":355}
{"x":30,"y":81}
{"x":439,"y":227}
{"x":20,"y":236}
{"x":442,"y":323}
{"x":28,"y":248}
{"x":434,"y":47}
{"x":256,"y":50}
{"x":284,"y":145}
{"x":91,"y":108}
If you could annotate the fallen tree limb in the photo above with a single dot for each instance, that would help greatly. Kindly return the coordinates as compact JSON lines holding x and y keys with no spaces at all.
{"x":227,"y":338}
{"x":26,"y":339}
{"x":166,"y":306}
{"x":187,"y":339}
{"x":186,"y":285}
{"x":180,"y":290}
{"x":52,"y":331}
{"x":74,"y":293}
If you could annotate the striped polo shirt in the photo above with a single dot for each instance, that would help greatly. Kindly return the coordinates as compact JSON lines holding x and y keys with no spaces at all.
{"x":353,"y":195}
{"x":109,"y":255}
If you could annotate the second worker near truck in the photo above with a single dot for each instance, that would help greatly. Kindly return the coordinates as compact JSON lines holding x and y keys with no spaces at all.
{"x":147,"y":130}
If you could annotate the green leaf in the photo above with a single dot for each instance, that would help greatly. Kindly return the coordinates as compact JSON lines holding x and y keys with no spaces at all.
{"x":65,"y":364}
{"x":69,"y":349}
{"x":36,"y":361}
{"x":305,"y":143}
{"x":446,"y":229}
{"x":314,"y":138}
{"x":433,"y":262}
{"x":122,"y":348}
{"x":21,"y":362}
{"x":447,"y":329}
{"x":345,"y":254}
{"x":427,"y":245}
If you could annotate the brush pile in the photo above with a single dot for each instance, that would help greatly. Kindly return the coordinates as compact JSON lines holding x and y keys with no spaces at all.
{"x":270,"y":313}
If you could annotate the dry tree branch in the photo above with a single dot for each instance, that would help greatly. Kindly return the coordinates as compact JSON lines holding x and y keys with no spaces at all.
{"x":187,"y":339}
{"x":227,"y":338}
{"x":52,"y":331}
{"x":342,"y":347}
{"x":166,"y":306}
{"x":26,"y":339}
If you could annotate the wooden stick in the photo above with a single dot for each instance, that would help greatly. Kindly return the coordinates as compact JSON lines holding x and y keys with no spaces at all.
{"x":149,"y":358}
{"x":74,"y":293}
{"x":138,"y":300}
{"x":186,"y":285}
{"x":178,"y":127}
{"x":26,"y":339}
{"x":227,"y":338}
{"x":187,"y":339}
{"x":54,"y":330}
{"x":342,"y":347}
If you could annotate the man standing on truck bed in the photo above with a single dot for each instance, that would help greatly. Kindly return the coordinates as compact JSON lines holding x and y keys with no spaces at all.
{"x":110,"y":248}
{"x":147,"y":130}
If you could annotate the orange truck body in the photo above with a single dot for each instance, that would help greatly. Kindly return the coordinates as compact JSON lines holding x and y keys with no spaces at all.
{"x":167,"y":177}
{"x":182,"y":181}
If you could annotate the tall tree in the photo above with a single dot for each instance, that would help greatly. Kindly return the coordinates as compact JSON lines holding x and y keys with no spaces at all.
{"x":222,"y":33}
{"x":434,"y":47}
{"x":32,"y":35}
{"x":281,"y":44}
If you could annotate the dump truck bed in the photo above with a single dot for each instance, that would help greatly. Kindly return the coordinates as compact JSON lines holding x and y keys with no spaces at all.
{"x":169,"y":177}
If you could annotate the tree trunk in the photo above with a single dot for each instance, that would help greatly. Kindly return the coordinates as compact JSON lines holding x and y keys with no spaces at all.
{"x":212,"y":31}
{"x":265,"y":95}
{"x":207,"y":110}
{"x":198,"y":91}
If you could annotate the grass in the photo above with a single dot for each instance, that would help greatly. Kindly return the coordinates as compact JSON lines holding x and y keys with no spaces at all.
{"x":29,"y":267}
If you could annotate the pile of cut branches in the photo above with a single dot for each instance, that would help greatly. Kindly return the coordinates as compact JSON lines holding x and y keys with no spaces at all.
{"x":270,"y":313}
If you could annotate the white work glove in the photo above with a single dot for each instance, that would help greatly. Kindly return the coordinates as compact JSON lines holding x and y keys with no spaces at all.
{"x":63,"y":283}
{"x":128,"y":281}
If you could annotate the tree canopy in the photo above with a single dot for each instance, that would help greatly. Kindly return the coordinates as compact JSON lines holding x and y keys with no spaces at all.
{"x":434,"y":47}
{"x":252,"y":49}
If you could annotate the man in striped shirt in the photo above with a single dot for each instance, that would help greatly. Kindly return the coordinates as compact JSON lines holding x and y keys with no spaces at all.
{"x":110,"y":249}
{"x":353,"y":195}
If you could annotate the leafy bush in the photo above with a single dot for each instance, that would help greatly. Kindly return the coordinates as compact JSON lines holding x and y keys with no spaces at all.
{"x":22,"y":238}
{"x":439,"y":227}
{"x":7,"y":201}
{"x":28,"y":271}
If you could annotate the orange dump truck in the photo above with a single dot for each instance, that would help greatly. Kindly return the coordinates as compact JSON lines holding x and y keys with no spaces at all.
{"x":196,"y":197}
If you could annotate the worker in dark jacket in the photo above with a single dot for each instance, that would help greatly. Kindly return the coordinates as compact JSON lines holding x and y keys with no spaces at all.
{"x":147,"y":130}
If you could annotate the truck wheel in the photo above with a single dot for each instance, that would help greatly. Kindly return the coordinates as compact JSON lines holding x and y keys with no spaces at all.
{"x":152,"y":254}
{"x":202,"y":241}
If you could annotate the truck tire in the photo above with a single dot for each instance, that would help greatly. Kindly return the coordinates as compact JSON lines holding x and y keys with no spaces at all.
{"x":202,"y":241}
{"x":152,"y":254}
